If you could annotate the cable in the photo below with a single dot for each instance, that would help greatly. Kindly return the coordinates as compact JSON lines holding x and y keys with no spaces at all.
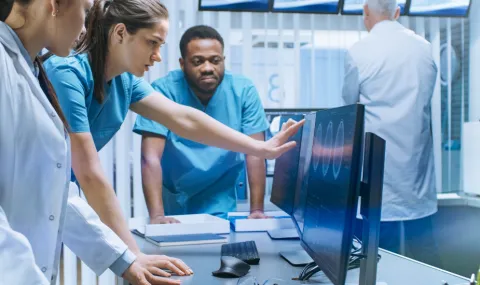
{"x":354,"y":260}
{"x":306,"y":269}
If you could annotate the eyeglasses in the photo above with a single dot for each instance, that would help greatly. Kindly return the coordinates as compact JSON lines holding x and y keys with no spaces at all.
{"x":252,"y":280}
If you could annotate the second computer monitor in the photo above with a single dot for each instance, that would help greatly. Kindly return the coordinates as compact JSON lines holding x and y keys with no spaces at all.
{"x":286,"y":170}
{"x":333,"y":187}
{"x":302,"y":174}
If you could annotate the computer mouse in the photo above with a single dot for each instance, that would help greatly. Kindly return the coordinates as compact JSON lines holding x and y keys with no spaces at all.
{"x":231,"y":267}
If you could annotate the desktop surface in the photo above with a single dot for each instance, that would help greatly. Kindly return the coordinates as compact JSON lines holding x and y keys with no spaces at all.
{"x":203,"y":259}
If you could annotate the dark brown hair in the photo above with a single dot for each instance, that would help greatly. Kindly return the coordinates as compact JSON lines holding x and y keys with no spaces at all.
{"x":5,"y":9}
{"x":51,"y":95}
{"x":135,"y":14}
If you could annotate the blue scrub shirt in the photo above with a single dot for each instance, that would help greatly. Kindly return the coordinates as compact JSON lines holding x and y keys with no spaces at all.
{"x":199,"y":178}
{"x":72,"y":79}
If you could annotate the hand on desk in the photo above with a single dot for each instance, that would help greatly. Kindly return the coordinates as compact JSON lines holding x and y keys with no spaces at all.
{"x":145,"y":267}
{"x":258,"y":215}
{"x":163,"y":220}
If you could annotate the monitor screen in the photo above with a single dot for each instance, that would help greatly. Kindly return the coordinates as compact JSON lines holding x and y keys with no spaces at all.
{"x":234,"y":5}
{"x":355,"y":7}
{"x":286,"y":169}
{"x":273,"y":118}
{"x":446,"y":8}
{"x":302,"y":173}
{"x":333,"y":187}
{"x":306,"y":6}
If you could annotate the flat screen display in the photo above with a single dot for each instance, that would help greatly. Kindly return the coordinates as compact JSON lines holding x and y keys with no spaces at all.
{"x":441,"y":8}
{"x":306,"y":6}
{"x":273,"y":117}
{"x":300,"y":199}
{"x":355,"y":7}
{"x":333,"y":187}
{"x":286,"y":171}
{"x":234,"y":5}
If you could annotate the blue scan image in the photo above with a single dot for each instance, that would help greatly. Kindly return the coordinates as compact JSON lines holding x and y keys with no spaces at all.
{"x":449,"y":8}
{"x":308,"y":6}
{"x":235,"y":5}
{"x":355,"y":7}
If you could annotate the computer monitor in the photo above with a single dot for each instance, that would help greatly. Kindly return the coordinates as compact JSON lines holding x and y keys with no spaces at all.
{"x":300,"y":198}
{"x":274,"y":116}
{"x":306,"y":6}
{"x":286,"y":170}
{"x":439,"y":8}
{"x":234,"y":5}
{"x":333,"y":188}
{"x":355,"y":7}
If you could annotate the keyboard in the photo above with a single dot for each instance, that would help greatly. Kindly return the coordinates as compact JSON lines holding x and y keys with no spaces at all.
{"x":246,"y":251}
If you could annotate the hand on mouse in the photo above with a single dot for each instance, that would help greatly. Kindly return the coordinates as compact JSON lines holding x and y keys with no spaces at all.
{"x":153,"y":263}
{"x":138,"y":275}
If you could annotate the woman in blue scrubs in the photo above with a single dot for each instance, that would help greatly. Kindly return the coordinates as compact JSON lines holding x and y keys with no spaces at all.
{"x":102,"y":82}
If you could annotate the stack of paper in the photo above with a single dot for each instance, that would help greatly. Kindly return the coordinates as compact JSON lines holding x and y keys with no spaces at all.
{"x":278,"y":220}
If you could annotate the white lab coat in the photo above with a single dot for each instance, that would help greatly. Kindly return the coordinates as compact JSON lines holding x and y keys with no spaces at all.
{"x":392,"y":72}
{"x":35,"y":216}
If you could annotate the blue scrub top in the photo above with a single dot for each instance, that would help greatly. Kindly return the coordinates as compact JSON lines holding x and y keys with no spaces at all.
{"x":199,"y":178}
{"x":72,"y":79}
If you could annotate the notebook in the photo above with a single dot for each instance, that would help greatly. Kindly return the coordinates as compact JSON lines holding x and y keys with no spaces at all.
{"x":185,"y":239}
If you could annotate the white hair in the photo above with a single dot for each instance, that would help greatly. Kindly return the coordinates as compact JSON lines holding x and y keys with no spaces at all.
{"x":383,"y":7}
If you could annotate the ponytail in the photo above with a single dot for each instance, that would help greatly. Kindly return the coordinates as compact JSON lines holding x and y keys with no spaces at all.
{"x":51,"y":95}
{"x":95,"y":43}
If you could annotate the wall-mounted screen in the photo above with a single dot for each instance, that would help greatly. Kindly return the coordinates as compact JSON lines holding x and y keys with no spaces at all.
{"x":234,"y":5}
{"x":306,"y":6}
{"x":440,"y":8}
{"x":355,"y":7}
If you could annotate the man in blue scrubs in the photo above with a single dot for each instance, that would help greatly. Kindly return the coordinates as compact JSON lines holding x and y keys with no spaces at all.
{"x":184,"y":177}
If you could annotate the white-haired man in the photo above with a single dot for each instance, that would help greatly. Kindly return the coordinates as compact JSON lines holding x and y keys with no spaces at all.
{"x":392,"y":72}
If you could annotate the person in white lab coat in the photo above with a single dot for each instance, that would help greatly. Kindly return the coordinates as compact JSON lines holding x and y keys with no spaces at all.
{"x":392,"y":72}
{"x":37,"y":210}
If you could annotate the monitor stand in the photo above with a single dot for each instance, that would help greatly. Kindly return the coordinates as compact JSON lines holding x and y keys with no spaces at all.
{"x":297,"y":257}
{"x":283,"y":234}
{"x":371,"y":206}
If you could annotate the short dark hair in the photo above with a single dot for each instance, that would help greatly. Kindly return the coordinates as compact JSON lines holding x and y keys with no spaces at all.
{"x":198,"y":32}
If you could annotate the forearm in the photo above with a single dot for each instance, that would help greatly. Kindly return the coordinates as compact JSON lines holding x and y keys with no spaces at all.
{"x":194,"y":125}
{"x":152,"y":187}
{"x":256,"y":177}
{"x":101,"y":197}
